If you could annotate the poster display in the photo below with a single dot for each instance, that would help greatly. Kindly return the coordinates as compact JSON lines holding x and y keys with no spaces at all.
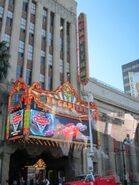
{"x":58,"y":127}
{"x":16,"y":124}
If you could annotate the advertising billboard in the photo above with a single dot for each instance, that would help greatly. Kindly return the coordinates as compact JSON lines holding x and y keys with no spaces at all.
{"x":58,"y":127}
{"x":16,"y":124}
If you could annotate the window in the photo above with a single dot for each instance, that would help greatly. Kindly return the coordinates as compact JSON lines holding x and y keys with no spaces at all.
{"x":42,"y":60}
{"x":23,"y":24}
{"x":50,"y":42}
{"x":1,"y":11}
{"x":42,"y":80}
{"x":61,"y":25}
{"x":30,"y":52}
{"x":61,"y":65}
{"x":49,"y":77}
{"x":31,"y":28}
{"x":28,"y":76}
{"x":49,"y":70}
{"x":50,"y":59}
{"x":9,"y":18}
{"x":52,"y":19}
{"x":61,"y":78}
{"x":44,"y":12}
{"x":68,"y":29}
{"x":18,"y":71}
{"x":50,"y":35}
{"x":61,"y":43}
{"x":33,"y":8}
{"x":43,"y":33}
{"x":10,"y":14}
{"x":11,"y":2}
{"x":68,"y":76}
{"x":21,"y":47}
{"x":68,"y":67}
{"x":9,"y":21}
{"x":7,"y":38}
{"x":42,"y":53}
{"x":25,"y":5}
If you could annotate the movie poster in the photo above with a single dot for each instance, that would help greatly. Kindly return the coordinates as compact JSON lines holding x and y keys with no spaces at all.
{"x":16,"y":123}
{"x":54,"y":126}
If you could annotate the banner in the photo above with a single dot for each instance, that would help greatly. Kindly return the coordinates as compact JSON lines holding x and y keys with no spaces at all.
{"x":58,"y":127}
{"x":16,"y":123}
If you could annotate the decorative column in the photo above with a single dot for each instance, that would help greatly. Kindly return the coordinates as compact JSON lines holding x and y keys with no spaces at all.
{"x":73,"y":55}
{"x":26,"y":42}
{"x":47,"y":49}
{"x":56,"y":53}
{"x":15,"y":39}
{"x":37,"y":44}
{"x":65,"y":50}
{"x":4,"y":20}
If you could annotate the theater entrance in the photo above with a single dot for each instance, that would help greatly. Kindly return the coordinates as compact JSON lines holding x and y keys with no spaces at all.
{"x":33,"y":168}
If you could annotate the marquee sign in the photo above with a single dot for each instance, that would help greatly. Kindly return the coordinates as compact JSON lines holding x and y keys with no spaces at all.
{"x":54,"y":115}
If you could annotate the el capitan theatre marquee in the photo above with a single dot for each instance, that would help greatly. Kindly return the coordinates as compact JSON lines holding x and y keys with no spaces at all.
{"x":47,"y":117}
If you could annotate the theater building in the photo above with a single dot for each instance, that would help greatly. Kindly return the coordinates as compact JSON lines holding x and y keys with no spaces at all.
{"x":47,"y":133}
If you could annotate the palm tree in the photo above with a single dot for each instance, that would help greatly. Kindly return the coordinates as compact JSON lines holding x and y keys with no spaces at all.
{"x":4,"y":60}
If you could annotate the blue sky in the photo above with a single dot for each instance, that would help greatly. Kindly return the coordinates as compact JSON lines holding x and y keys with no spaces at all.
{"x":113,"y":37}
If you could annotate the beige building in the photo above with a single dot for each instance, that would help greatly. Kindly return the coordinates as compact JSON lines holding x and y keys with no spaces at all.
{"x":117,"y":130}
{"x":42,"y":40}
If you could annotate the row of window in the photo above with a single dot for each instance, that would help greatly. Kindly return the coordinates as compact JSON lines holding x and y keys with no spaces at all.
{"x":131,"y":68}
{"x":21,"y":45}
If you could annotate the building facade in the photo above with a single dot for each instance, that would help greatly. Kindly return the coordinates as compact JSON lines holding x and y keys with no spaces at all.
{"x":131,"y":77}
{"x":41,"y":36}
{"x":118,"y":130}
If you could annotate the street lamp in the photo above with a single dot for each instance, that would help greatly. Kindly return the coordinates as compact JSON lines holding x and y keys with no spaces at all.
{"x":89,"y":97}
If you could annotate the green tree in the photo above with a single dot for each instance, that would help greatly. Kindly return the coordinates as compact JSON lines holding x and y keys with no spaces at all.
{"x":4,"y":60}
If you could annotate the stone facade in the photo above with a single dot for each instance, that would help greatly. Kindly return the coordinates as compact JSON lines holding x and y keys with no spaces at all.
{"x":26,"y":29}
{"x":118,"y":118}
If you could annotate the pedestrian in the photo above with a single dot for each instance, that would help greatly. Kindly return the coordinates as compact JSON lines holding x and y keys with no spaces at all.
{"x":46,"y":181}
{"x":60,"y":181}
{"x":15,"y":182}
{"x":22,"y":181}
{"x":31,"y":181}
